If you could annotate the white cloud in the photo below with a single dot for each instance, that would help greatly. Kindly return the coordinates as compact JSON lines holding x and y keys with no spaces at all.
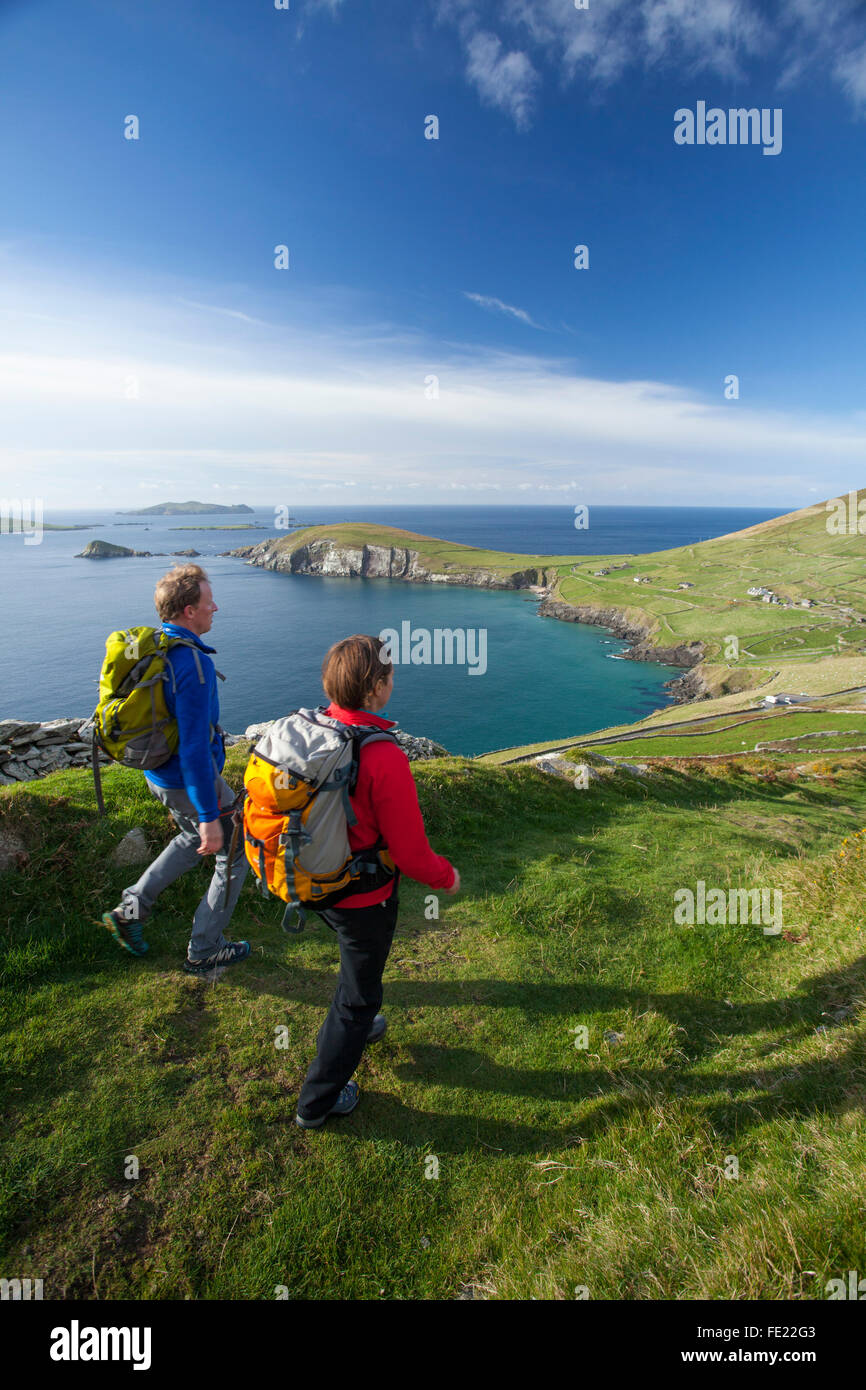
{"x":504,"y":80}
{"x":282,"y":410}
{"x":722,"y":38}
{"x":851,"y":72}
{"x":301,"y":411}
{"x":490,"y":302}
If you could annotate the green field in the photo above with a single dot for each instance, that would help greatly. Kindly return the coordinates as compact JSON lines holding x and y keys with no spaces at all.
{"x":558,"y":1167}
{"x":737,"y":734}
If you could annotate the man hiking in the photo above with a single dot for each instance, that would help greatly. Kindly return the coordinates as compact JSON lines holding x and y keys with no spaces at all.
{"x":191,"y":785}
{"x":385,"y":804}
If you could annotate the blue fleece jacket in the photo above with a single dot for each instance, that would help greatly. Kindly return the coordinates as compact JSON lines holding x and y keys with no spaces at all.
{"x":196,"y":708}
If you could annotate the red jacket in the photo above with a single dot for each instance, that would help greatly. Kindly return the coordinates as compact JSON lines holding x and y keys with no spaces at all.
{"x":386,"y":804}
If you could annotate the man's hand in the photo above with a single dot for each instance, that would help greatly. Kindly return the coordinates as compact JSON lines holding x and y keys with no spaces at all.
{"x":455,"y":887}
{"x":211,"y":836}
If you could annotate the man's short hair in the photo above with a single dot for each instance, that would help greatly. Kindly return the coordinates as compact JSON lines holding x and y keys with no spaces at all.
{"x":180,"y":587}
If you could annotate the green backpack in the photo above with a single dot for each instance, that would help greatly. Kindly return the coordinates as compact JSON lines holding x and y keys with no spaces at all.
{"x":131,"y":723}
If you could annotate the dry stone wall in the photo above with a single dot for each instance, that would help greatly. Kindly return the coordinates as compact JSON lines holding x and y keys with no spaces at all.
{"x":31,"y":749}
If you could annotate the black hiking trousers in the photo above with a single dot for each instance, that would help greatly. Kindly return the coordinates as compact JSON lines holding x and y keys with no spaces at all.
{"x":365,"y":935}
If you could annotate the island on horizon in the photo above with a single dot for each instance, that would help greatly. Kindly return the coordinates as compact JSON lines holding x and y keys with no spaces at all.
{"x":184,"y":509}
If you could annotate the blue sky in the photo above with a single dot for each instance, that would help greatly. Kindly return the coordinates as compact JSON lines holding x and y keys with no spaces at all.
{"x":151,"y":349}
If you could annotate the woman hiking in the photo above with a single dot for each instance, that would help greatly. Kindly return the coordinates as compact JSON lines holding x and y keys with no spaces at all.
{"x":359,"y":685}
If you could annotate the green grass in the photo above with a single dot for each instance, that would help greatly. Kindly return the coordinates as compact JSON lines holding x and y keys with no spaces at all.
{"x":558,"y":1166}
{"x":738,"y":733}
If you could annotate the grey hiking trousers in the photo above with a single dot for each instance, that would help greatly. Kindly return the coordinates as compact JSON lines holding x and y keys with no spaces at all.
{"x":211,"y":917}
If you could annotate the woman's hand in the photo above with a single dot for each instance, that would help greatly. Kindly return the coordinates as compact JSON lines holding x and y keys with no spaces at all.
{"x":455,"y":887}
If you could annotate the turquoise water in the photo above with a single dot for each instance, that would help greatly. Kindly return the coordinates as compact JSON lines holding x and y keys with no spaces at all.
{"x":544,"y":679}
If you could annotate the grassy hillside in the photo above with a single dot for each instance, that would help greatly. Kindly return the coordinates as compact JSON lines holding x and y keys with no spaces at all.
{"x":794,"y":556}
{"x":437,"y":555}
{"x":559,"y":1167}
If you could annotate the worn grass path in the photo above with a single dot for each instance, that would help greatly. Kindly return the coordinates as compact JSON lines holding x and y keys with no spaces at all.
{"x":559,"y":1168}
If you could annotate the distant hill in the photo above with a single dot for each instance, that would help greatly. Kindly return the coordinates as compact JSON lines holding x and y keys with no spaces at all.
{"x":184,"y":509}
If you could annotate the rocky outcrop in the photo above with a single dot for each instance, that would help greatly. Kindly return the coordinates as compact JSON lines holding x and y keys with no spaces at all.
{"x":682,"y":688}
{"x":326,"y":557}
{"x":689,"y":687}
{"x":107,"y":550}
{"x":132,"y":849}
{"x":13,"y":852}
{"x":576,"y":773}
{"x":581,"y":774}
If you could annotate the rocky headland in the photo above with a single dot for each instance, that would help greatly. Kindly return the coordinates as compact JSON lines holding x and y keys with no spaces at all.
{"x":327,"y":557}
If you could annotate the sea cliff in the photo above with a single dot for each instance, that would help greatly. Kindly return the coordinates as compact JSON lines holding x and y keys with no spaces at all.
{"x":327,"y":557}
{"x":690,"y":686}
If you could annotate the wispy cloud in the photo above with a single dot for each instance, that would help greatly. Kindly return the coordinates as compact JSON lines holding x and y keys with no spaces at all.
{"x":507,"y":45}
{"x":217,"y":309}
{"x":486,"y":301}
{"x":850,"y":71}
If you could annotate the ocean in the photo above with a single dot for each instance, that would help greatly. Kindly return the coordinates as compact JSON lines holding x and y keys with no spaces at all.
{"x":543,"y":679}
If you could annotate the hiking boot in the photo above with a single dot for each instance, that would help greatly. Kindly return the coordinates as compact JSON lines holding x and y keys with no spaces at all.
{"x":377,"y":1030}
{"x":343,"y":1105}
{"x":230,"y":954}
{"x":125,"y":929}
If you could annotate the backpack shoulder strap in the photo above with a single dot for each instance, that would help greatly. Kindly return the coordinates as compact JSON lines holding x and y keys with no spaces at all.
{"x":194,"y":647}
{"x":361,"y":735}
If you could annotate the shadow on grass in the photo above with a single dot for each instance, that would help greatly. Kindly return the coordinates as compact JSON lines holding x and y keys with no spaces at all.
{"x":732,"y":1100}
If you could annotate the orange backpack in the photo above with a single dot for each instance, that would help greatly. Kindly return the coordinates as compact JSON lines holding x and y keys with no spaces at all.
{"x":297,"y":813}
